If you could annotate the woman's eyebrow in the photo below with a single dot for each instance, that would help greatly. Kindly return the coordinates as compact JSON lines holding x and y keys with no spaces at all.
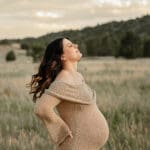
{"x":69,"y":43}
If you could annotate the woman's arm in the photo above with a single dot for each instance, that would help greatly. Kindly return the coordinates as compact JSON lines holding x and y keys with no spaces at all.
{"x":44,"y":109}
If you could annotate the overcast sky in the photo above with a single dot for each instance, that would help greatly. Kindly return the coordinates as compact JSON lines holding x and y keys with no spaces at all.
{"x":33,"y":18}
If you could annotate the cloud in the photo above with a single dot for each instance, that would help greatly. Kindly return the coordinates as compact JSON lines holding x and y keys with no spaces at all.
{"x":49,"y":14}
{"x":121,"y":3}
{"x":33,"y":18}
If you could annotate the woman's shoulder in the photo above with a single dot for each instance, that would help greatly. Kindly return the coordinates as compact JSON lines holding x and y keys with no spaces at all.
{"x":80,"y":74}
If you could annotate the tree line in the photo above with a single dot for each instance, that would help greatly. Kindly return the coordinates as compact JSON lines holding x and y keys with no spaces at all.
{"x":128,"y":39}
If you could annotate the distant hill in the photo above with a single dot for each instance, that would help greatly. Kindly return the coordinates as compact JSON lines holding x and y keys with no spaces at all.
{"x":101,"y":40}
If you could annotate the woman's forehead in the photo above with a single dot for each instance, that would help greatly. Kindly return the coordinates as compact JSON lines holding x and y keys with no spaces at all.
{"x":66,"y":41}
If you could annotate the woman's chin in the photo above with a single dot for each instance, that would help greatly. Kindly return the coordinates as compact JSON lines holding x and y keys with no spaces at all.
{"x":80,"y":56}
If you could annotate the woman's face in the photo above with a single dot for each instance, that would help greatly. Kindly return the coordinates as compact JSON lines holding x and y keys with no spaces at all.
{"x":70,"y":51}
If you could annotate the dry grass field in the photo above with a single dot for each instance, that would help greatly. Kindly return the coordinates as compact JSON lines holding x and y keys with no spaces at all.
{"x":123,"y":95}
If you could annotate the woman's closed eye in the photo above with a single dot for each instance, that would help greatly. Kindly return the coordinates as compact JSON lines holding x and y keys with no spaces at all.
{"x":70,"y":45}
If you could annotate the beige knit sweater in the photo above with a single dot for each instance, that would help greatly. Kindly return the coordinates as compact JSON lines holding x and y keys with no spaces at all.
{"x":79,"y":115}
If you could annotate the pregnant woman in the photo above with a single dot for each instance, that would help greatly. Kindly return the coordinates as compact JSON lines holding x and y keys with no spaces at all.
{"x":66,"y":103}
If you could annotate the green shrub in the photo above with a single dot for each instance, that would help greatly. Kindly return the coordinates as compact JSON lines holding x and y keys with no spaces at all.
{"x":10,"y":56}
{"x":24,"y":46}
{"x":147,"y":48}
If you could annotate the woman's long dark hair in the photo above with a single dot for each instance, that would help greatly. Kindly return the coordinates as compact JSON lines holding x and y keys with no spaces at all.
{"x":49,"y":67}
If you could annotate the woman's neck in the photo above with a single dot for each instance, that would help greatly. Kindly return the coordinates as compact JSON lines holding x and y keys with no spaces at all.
{"x":71,"y":67}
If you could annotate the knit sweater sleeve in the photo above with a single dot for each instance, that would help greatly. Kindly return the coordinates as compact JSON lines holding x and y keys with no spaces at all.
{"x":78,"y":94}
{"x":57,"y":128}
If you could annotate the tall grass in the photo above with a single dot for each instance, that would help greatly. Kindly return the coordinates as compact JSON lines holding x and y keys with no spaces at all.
{"x":123,"y":96}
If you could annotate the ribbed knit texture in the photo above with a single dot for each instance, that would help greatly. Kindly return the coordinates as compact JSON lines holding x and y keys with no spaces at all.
{"x":80,"y":93}
{"x":79,"y":115}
